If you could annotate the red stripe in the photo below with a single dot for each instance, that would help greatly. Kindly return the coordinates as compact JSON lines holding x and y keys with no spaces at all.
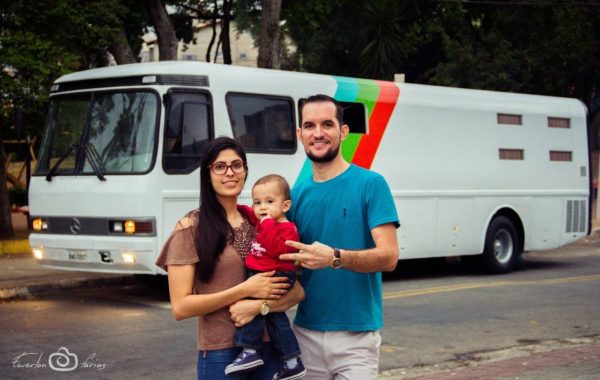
{"x":369,"y":143}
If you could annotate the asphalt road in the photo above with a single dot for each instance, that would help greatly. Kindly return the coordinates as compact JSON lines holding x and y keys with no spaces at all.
{"x":437,"y":315}
{"x":445,"y":316}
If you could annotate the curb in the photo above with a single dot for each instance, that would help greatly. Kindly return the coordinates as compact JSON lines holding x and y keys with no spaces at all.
{"x":14,"y":247}
{"x":27,"y":291}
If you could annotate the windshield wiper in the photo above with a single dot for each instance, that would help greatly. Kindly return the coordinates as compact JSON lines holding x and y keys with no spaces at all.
{"x":60,"y":161}
{"x":89,"y":151}
{"x":92,"y":154}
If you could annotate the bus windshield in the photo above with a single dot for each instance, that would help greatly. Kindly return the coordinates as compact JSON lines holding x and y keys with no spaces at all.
{"x":100,"y":133}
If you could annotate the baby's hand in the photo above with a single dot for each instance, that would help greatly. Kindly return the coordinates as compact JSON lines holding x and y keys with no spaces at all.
{"x":265,"y":216}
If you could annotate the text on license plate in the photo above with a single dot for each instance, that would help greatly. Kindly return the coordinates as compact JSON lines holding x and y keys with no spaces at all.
{"x":77,"y":256}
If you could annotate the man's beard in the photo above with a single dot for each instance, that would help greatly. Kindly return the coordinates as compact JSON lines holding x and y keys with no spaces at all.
{"x":327,"y":157}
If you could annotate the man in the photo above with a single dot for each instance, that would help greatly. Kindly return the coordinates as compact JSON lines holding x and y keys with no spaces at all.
{"x":347,"y":220}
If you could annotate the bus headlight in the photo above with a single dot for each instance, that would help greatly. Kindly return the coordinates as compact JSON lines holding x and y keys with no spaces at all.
{"x":129,"y":258}
{"x":38,"y":252}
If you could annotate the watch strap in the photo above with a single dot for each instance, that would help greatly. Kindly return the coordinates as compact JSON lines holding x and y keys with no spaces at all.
{"x":336,"y":262}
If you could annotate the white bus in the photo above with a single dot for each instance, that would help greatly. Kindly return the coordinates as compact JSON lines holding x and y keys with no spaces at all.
{"x":473,"y":173}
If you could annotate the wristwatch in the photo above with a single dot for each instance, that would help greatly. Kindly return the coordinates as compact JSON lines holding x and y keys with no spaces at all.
{"x":264,"y":308}
{"x":336,"y":262}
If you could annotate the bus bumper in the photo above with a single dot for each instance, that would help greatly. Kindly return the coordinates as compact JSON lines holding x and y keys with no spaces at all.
{"x":104,"y":254}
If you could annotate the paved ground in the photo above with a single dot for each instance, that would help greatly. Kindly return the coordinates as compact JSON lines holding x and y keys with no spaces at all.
{"x":551,"y":360}
{"x":22,"y":276}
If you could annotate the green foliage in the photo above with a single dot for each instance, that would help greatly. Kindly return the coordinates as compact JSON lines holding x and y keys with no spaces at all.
{"x":370,"y":38}
{"x":382,"y":22}
{"x":544,"y":49}
{"x":321,"y":32}
{"x":247,"y":16}
{"x":42,"y":40}
{"x":541,"y":47}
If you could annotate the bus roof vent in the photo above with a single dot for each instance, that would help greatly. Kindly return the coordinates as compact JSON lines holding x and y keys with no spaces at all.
{"x":183,"y":80}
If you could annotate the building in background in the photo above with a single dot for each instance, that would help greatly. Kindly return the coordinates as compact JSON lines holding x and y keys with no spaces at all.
{"x":243,"y":51}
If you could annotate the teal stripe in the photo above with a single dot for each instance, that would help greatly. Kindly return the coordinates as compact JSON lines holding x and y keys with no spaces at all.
{"x":369,"y":93}
{"x":305,"y":172}
{"x":347,"y":89}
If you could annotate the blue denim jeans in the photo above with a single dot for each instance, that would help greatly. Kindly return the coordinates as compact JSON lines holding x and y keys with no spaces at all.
{"x":211,"y":364}
{"x":278,"y":326}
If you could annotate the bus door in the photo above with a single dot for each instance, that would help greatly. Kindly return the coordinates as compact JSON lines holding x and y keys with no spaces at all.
{"x":188,"y":129}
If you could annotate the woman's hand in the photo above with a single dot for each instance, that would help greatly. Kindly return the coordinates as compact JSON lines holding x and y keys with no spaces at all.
{"x":244,"y":311}
{"x":265,"y":286}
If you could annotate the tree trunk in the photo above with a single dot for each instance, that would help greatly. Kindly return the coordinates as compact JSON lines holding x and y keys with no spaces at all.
{"x":167,"y":40}
{"x":224,"y":37}
{"x":268,"y":48}
{"x":213,"y":25}
{"x":120,"y":49}
{"x":6,"y":230}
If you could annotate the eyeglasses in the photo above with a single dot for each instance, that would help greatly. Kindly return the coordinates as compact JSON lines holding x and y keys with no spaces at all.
{"x":220,"y":168}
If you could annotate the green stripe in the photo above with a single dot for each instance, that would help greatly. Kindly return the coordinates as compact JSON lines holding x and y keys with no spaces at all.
{"x":368,"y":92}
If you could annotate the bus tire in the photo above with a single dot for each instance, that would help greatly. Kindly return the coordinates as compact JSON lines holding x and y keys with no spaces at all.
{"x":501,"y":252}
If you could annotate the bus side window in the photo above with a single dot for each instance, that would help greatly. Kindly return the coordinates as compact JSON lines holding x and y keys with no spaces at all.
{"x":355,"y":117}
{"x":262,"y":123}
{"x":188,"y":129}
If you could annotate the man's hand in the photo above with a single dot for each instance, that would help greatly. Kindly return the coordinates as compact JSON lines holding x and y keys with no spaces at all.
{"x":314,"y":256}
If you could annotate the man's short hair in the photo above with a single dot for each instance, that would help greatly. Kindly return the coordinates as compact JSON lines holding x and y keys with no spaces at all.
{"x":320,"y":98}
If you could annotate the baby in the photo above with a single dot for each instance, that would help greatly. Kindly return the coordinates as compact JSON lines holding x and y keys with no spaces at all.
{"x":270,"y":201}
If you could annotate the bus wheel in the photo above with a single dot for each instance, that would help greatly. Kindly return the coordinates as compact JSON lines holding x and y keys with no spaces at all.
{"x":502,"y":247}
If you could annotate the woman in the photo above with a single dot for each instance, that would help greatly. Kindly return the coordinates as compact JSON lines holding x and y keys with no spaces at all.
{"x":203,"y":257}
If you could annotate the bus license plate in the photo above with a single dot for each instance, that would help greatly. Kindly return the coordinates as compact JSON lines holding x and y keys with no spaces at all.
{"x":77,"y":256}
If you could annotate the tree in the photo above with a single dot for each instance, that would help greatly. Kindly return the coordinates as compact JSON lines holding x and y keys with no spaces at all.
{"x":167,"y":40}
{"x":215,"y":12}
{"x":368,"y":38}
{"x":539,"y":47}
{"x":268,"y":47}
{"x":382,"y":22}
{"x":120,"y":49}
{"x":6,"y":230}
{"x":35,"y":49}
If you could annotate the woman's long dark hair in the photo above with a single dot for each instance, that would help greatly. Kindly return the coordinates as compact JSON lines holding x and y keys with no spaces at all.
{"x":213,"y":229}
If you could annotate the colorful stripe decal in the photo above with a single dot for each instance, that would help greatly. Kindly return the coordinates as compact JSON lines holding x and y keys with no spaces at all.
{"x":378,"y":121}
{"x":380,"y":99}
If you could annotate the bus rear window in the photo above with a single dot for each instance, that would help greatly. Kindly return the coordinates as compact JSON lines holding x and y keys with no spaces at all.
{"x":262,"y":123}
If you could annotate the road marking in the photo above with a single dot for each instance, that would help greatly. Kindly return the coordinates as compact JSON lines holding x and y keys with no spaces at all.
{"x":481,"y":285}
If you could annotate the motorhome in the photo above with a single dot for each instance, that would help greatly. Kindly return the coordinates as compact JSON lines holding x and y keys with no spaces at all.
{"x":475,"y":174}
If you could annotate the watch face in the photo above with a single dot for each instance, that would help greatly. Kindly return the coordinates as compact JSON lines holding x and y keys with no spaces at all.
{"x":336,"y":262}
{"x":264,"y":309}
